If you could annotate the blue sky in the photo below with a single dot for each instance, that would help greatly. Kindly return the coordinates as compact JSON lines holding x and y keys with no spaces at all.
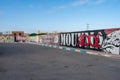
{"x":58,"y":15}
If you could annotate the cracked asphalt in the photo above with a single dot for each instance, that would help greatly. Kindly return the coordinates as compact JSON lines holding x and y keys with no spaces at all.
{"x":33,"y":62}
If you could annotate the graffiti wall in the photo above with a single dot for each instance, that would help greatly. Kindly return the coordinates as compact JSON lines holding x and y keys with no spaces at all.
{"x":111,"y":43}
{"x":21,"y":38}
{"x":51,"y":38}
{"x":5,"y":38}
{"x":32,"y":39}
{"x":107,"y":40}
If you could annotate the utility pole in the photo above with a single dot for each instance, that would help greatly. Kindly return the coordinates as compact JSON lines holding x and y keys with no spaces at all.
{"x":87,"y":27}
{"x":119,"y":49}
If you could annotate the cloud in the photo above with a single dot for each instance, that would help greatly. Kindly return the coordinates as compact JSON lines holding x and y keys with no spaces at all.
{"x":87,"y":2}
{"x":57,"y":8}
{"x":81,"y":2}
{"x":99,"y":1}
{"x":62,"y":7}
{"x":77,"y":3}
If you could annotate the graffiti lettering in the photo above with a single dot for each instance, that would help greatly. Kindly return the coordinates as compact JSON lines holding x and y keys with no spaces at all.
{"x":84,"y":40}
{"x":21,"y":39}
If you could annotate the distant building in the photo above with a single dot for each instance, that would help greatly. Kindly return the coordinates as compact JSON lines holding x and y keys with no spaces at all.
{"x":19,"y":36}
{"x":17,"y":33}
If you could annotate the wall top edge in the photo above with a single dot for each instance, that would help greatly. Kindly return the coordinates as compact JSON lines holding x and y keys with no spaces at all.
{"x":91,"y":30}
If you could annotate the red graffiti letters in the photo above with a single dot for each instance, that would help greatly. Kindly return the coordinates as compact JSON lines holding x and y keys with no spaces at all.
{"x":92,"y":40}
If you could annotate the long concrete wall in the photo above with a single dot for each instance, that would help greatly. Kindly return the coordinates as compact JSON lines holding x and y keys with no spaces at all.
{"x":107,"y":40}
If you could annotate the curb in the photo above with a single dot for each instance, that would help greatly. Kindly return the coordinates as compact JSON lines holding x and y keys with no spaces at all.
{"x":64,"y":48}
{"x":80,"y":51}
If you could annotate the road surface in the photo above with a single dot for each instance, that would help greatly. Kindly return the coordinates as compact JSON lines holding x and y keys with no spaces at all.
{"x":33,"y":62}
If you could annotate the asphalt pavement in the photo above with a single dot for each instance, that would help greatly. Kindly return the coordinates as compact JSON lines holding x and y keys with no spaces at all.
{"x":20,"y":61}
